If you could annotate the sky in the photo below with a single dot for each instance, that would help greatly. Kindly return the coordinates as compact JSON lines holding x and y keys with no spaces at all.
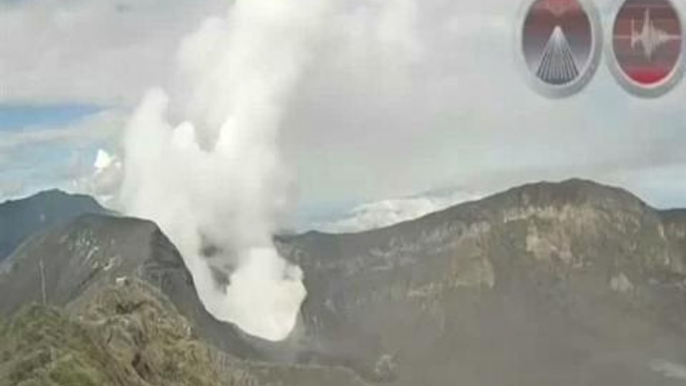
{"x":400,"y":97}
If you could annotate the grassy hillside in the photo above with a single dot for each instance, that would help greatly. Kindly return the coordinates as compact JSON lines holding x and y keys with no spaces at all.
{"x":124,"y":336}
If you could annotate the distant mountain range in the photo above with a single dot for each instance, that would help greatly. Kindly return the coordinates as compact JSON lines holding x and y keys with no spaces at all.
{"x":22,"y":218}
{"x":388,"y":212}
{"x":570,"y":283}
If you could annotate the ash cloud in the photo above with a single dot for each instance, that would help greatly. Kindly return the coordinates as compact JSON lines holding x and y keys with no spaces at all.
{"x":214,"y":181}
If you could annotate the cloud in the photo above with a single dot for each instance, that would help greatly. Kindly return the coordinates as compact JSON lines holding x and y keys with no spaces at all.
{"x":392,"y":211}
{"x":101,"y":180}
{"x":10,"y":190}
{"x":14,"y":117}
{"x":379,"y":126}
{"x":402,"y":97}
{"x":40,"y":157}
{"x":669,"y":369}
{"x":99,"y":126}
{"x":214,"y":181}
{"x":105,"y":52}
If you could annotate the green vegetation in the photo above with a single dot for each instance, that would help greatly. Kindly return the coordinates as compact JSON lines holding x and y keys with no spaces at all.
{"x":123,"y":337}
{"x":40,"y":346}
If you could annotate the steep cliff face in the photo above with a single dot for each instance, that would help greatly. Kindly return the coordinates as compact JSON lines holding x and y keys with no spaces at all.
{"x":675,"y":229}
{"x":571,"y":283}
{"x":113,"y":304}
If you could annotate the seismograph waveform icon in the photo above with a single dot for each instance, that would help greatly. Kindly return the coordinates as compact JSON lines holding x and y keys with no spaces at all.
{"x":646,"y":46}
{"x":557,"y":66}
{"x":650,"y":37}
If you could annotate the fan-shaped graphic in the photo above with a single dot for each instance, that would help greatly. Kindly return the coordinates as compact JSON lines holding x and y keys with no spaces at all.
{"x":558,"y":65}
{"x":558,"y":45}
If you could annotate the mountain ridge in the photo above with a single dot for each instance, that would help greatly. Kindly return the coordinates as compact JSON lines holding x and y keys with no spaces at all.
{"x":20,"y":218}
{"x":578,"y":183}
{"x":561,"y":248}
{"x":544,"y":284}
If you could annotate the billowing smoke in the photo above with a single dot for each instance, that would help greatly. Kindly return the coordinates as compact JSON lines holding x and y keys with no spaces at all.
{"x":202,"y":160}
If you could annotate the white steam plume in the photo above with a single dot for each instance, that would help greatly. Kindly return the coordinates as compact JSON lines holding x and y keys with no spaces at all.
{"x":213,"y":182}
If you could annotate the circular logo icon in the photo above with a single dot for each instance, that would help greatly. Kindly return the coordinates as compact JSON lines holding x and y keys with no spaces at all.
{"x":647,"y":46}
{"x":560,"y":43}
